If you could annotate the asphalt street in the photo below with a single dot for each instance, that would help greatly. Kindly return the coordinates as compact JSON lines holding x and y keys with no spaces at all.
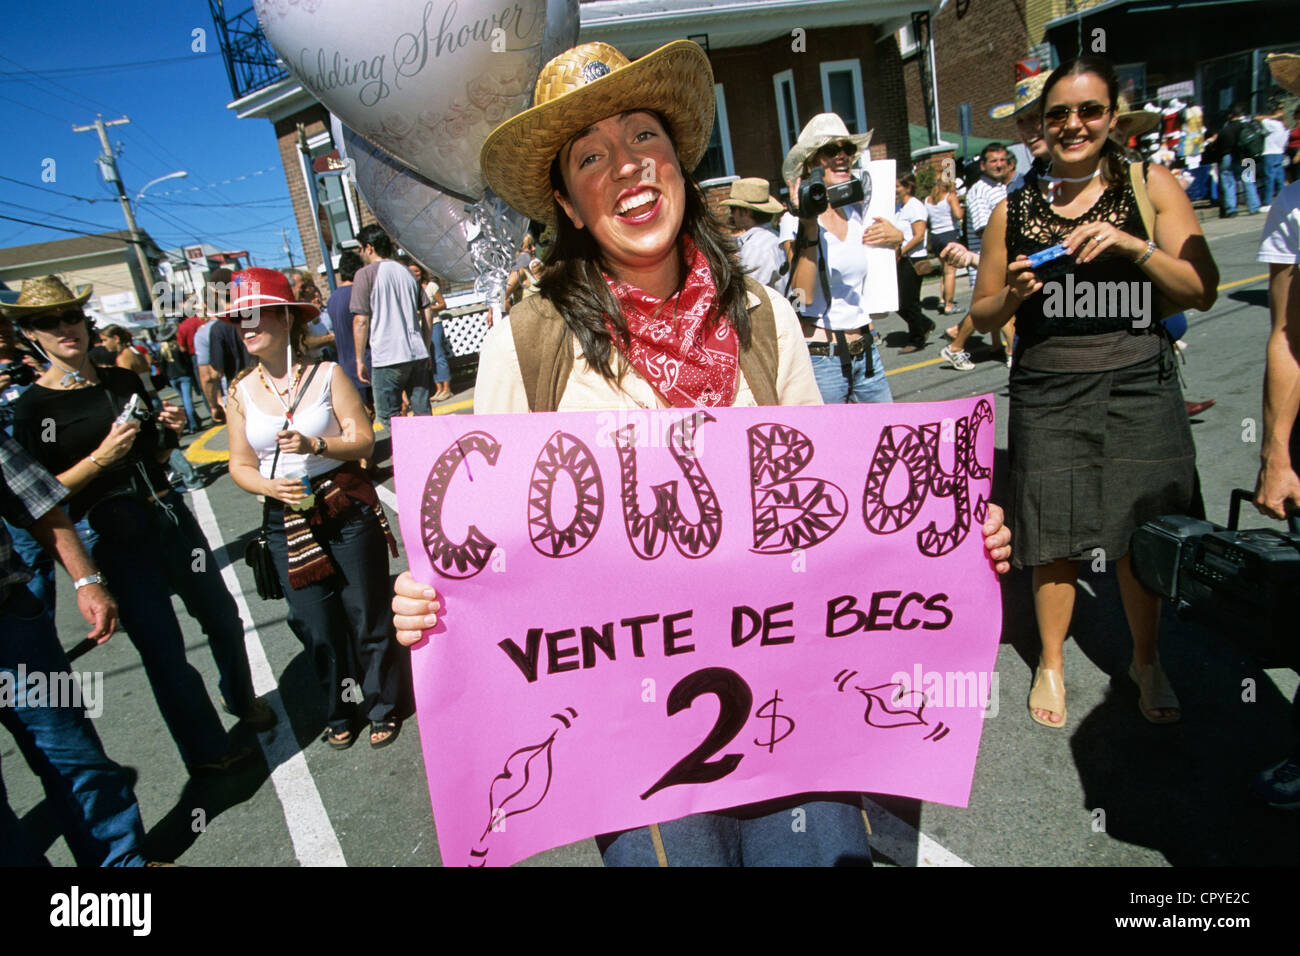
{"x":1108,"y":790}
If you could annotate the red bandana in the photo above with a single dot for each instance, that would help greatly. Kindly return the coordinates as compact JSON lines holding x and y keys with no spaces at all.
{"x":686,"y":365}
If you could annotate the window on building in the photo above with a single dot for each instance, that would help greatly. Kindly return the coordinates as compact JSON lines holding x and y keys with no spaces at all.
{"x":842,"y":93}
{"x":786,"y":111}
{"x":717,"y":159}
{"x":907,"y":44}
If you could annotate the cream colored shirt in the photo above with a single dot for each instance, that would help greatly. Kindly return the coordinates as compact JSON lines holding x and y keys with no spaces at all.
{"x":500,"y":385}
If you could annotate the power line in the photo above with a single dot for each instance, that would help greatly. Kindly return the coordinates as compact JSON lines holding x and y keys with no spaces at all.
{"x":85,"y":99}
{"x":76,"y":232}
{"x":9,"y":76}
{"x":53,"y":192}
{"x":33,"y":109}
{"x":43,"y":212}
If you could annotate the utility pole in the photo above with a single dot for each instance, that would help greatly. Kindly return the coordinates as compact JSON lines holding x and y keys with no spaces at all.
{"x":108,"y":164}
{"x":288,"y":250}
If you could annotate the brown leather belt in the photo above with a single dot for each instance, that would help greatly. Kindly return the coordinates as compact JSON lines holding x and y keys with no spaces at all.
{"x":856,"y":346}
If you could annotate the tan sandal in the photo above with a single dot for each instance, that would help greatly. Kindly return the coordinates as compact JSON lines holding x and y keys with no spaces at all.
{"x":1154,"y":692}
{"x":1048,"y":693}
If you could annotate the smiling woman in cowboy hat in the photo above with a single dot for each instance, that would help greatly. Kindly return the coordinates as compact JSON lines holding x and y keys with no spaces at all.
{"x":605,"y":158}
{"x":138,"y":529}
{"x":827,"y":255}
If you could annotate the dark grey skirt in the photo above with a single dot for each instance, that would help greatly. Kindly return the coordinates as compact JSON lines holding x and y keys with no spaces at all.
{"x":1094,"y":455}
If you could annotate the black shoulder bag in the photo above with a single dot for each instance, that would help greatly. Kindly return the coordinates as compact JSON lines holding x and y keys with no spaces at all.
{"x":258,"y":553}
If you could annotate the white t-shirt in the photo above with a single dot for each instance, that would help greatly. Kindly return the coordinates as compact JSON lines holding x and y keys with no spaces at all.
{"x":911,"y":212}
{"x":1281,"y":241}
{"x":846,"y":270}
{"x":1275,"y":137}
{"x":761,"y":256}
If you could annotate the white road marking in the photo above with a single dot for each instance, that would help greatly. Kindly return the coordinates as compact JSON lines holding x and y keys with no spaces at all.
{"x":314,"y":840}
{"x":903,"y":843}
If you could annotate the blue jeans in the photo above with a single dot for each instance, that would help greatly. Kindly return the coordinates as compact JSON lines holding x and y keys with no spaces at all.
{"x":389,"y":381}
{"x":1272,"y":180}
{"x":838,"y":390}
{"x":1230,"y":170}
{"x":441,"y":355}
{"x":814,"y":833}
{"x":185,"y":386}
{"x":39,"y":563}
{"x":344,"y":621}
{"x":90,"y":794}
{"x":146,"y":555}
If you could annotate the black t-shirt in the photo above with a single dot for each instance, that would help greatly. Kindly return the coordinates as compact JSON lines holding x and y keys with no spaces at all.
{"x":175,"y":361}
{"x":60,"y":427}
{"x":227,"y":352}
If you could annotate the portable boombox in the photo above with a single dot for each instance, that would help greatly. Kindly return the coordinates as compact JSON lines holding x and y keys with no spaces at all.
{"x":1243,"y":582}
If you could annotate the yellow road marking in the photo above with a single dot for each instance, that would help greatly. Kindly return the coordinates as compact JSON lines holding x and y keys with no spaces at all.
{"x":200,"y":454}
{"x":1230,"y":285}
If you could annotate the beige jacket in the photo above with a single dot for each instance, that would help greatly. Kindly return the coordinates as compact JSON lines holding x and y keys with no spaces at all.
{"x":500,"y":385}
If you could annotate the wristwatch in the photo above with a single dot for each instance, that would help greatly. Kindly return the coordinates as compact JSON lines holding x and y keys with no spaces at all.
{"x":319,"y":446}
{"x":95,"y":578}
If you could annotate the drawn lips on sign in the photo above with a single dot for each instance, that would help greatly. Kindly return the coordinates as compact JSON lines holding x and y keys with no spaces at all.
{"x":891,"y":706}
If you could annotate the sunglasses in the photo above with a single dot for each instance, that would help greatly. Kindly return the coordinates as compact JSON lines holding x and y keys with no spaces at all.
{"x":48,"y":323}
{"x":834,"y":149}
{"x":1088,"y":112}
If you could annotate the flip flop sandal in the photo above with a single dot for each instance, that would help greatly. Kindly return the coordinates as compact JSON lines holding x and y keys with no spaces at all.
{"x":339,"y":740}
{"x":1048,"y":693}
{"x":1154,"y":692}
{"x":389,"y":727}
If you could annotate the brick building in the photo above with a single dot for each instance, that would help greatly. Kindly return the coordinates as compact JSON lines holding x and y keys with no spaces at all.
{"x":776,"y":63}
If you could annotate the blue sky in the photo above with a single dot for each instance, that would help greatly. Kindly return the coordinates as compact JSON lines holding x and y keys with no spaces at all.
{"x":133,"y":58}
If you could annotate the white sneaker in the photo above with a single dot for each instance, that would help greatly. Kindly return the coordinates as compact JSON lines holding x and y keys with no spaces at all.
{"x":1008,"y":360}
{"x":958,"y":360}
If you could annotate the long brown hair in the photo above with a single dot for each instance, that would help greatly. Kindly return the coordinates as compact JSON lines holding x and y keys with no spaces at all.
{"x":573,"y":281}
{"x":1113,"y":162}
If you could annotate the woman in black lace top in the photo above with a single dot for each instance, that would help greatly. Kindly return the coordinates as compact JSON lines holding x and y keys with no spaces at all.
{"x":1099,"y":439}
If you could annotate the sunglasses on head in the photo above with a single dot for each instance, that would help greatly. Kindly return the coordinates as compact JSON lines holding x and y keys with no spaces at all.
{"x":1088,"y":112}
{"x":48,"y":323}
{"x":834,"y":149}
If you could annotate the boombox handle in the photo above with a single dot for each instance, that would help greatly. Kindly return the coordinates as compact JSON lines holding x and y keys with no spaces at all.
{"x":1241,"y":494}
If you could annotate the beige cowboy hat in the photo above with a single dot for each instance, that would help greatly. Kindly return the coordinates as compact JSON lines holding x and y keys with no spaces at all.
{"x":583,"y":86}
{"x":753,"y":193}
{"x":1026,"y":95}
{"x":1286,"y":71}
{"x":1134,"y":122}
{"x":822,"y":130}
{"x":45,"y":294}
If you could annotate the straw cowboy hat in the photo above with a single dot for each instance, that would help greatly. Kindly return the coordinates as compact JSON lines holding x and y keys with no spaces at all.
{"x":583,"y":86}
{"x":1134,"y":122}
{"x":1286,"y":71}
{"x":1027,"y":93}
{"x":822,"y":130}
{"x":259,"y":288}
{"x":45,"y":294}
{"x":753,"y":193}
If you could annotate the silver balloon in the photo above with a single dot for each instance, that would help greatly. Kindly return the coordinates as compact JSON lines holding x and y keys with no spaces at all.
{"x":434,"y":226}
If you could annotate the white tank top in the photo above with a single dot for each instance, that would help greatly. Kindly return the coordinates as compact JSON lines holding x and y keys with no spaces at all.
{"x":940,"y":215}
{"x":314,"y":417}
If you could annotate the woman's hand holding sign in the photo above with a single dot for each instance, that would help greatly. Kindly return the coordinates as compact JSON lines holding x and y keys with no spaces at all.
{"x":415,"y":608}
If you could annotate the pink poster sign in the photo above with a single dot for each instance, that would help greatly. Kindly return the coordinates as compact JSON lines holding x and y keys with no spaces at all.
{"x":648,"y":614}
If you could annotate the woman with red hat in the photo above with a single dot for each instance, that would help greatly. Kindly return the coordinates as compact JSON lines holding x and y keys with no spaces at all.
{"x":297,"y":432}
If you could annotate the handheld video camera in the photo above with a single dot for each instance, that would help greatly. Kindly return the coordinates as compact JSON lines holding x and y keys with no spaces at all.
{"x":1243,"y":582}
{"x":815,"y":197}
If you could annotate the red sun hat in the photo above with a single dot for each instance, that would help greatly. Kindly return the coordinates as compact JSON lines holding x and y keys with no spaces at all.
{"x":257,"y":288}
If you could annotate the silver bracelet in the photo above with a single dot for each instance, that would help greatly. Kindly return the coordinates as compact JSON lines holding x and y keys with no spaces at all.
{"x":1151,"y":247}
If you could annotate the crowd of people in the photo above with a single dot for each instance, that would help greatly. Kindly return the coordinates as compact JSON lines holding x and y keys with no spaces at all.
{"x":764,"y":316}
